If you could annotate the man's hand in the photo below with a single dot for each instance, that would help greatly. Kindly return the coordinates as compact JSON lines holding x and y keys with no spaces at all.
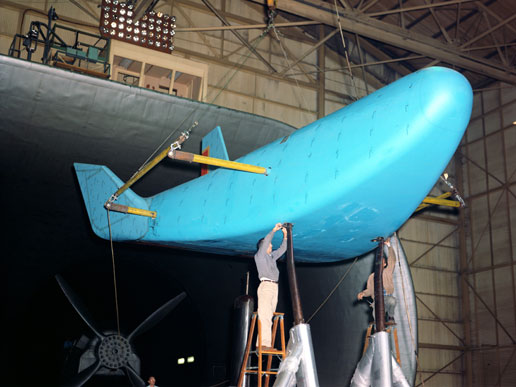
{"x":276,"y":227}
{"x":360,"y":295}
{"x":284,"y":229}
{"x":387,"y":242}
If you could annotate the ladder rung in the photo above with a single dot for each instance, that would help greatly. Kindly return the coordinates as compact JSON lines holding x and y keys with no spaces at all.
{"x":266,"y":370}
{"x":272,"y":352}
{"x":276,"y":352}
{"x":263,"y":372}
{"x":254,"y":369}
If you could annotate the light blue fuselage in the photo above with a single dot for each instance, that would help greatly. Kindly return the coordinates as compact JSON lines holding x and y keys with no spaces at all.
{"x":357,"y":174}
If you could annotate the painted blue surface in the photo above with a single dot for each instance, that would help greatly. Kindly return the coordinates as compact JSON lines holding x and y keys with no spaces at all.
{"x":343,"y":180}
{"x":217,"y":147}
{"x":215,"y":140}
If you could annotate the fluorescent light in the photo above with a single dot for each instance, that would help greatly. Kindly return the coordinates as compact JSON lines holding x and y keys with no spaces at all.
{"x":181,"y":361}
{"x":190,"y":359}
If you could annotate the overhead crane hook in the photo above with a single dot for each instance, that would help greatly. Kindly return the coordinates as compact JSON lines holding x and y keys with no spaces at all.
{"x":271,"y":14}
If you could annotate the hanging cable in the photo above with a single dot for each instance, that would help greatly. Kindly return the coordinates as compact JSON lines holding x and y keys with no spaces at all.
{"x":224,"y":87}
{"x":238,"y":66}
{"x":345,"y":51}
{"x":332,"y":291}
{"x":114,"y":275}
{"x":152,"y":156}
{"x":288,"y":62}
{"x":406,"y":309}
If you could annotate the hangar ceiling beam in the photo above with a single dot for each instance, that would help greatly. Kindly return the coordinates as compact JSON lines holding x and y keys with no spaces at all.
{"x":245,"y":26}
{"x":244,"y":41}
{"x":430,"y":6}
{"x":493,"y":14}
{"x":398,"y":37}
{"x":489,"y":31}
{"x":367,"y":6}
{"x":85,"y":7}
{"x":439,"y":24}
{"x":309,"y":51}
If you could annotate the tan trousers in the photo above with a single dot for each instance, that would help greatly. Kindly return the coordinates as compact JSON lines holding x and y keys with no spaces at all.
{"x":267,"y":301}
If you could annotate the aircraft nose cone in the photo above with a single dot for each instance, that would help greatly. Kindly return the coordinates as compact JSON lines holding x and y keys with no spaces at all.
{"x":446,"y":98}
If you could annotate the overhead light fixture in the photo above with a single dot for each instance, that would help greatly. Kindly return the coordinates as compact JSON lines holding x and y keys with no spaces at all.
{"x":181,"y":361}
{"x":190,"y":359}
{"x":156,"y":25}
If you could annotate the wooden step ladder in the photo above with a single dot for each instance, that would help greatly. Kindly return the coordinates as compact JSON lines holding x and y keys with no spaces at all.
{"x":391,"y":327}
{"x":259,"y":370}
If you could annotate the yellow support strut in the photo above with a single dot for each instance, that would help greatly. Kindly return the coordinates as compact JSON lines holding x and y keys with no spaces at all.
{"x":142,"y":172}
{"x":130,"y":210}
{"x":173,"y":153}
{"x":439,"y":200}
{"x":151,"y":164}
{"x":191,"y":157}
{"x":109,"y":205}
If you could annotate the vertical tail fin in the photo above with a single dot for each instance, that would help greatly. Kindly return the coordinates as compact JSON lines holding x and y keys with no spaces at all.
{"x":98,"y":183}
{"x":213,"y":145}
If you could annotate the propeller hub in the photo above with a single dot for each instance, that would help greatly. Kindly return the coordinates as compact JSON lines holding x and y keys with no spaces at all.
{"x":114,"y":351}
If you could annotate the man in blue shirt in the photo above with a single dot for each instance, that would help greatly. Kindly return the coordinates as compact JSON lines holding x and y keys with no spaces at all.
{"x":268,"y":273}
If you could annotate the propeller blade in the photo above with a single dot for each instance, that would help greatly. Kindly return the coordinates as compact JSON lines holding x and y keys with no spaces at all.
{"x":83,"y":376}
{"x":78,"y":305}
{"x":135,"y":379}
{"x":157,"y":316}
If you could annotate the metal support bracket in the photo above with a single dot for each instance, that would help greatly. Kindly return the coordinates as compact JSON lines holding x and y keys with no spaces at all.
{"x":130,"y":210}
{"x":195,"y":158}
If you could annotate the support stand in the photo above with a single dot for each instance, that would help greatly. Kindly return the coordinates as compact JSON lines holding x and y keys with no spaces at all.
{"x":299,"y":367}
{"x":379,"y":306}
{"x":378,"y":367}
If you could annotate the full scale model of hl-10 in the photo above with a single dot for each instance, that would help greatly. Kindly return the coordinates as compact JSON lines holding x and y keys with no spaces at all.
{"x":343,"y":180}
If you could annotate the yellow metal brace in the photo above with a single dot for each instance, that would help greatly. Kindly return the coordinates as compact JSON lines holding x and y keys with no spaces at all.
{"x":191,"y":157}
{"x":142,"y":172}
{"x":439,"y":200}
{"x":173,"y":153}
{"x":151,"y":164}
{"x":130,"y":210}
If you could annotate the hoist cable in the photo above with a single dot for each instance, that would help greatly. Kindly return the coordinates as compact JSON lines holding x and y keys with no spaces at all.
{"x":224,"y":87}
{"x":406,"y":310}
{"x":114,"y":275}
{"x":151,"y":157}
{"x":332,"y":291}
{"x":288,"y":64}
{"x":345,"y":50}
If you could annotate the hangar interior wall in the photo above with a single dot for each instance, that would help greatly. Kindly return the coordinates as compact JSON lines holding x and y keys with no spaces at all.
{"x":463,"y":266}
{"x":237,"y":78}
{"x":431,"y":245}
{"x":488,"y":157}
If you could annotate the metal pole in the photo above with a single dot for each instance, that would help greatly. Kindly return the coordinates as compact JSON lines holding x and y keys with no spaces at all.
{"x":239,"y":37}
{"x":465,"y":297}
{"x":151,"y":164}
{"x":194,"y":158}
{"x":248,"y":27}
{"x":292,"y":280}
{"x":379,"y":307}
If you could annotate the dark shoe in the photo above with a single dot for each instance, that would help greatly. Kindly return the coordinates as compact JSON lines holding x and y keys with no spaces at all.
{"x":390,"y":321}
